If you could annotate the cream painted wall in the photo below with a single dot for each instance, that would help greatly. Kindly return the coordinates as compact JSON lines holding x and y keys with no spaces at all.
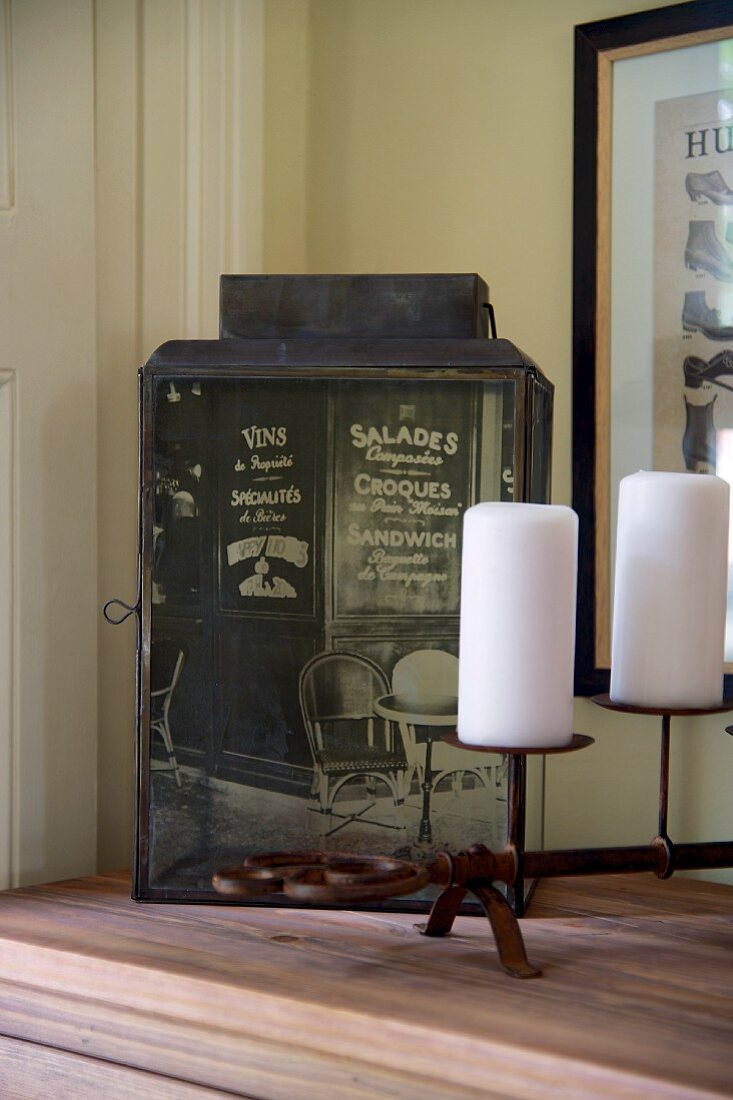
{"x":436,"y":135}
{"x":287,"y":131}
{"x":179,"y":140}
{"x":48,"y":556}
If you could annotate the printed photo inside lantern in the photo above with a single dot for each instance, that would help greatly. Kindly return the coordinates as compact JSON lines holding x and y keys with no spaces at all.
{"x":305,"y":537}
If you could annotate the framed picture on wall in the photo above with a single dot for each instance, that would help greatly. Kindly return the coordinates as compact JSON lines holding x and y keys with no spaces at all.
{"x":653,"y":276}
{"x":300,"y":558}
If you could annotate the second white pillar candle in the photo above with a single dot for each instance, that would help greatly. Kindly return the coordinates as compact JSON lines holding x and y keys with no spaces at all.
{"x":670,"y":590}
{"x":517,"y":637}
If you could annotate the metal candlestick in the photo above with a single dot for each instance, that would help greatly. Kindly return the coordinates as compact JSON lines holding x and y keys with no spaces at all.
{"x":343,"y":878}
{"x":517,"y":801}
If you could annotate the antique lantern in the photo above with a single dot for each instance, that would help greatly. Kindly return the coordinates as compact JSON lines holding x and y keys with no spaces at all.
{"x":304,"y":479}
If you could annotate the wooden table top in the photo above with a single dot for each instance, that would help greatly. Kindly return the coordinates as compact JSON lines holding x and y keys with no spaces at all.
{"x":636,"y":998}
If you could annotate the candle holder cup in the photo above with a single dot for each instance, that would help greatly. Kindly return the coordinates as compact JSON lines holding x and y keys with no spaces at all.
{"x":328,"y":878}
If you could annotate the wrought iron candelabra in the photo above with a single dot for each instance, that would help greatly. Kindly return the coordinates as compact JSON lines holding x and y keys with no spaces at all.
{"x":342,"y":878}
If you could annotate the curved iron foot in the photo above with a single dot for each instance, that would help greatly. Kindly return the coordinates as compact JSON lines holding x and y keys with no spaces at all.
{"x":444,"y":912}
{"x":507,"y":933}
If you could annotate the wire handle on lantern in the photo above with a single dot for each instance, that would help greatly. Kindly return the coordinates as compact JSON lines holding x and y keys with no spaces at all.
{"x":128,"y":609}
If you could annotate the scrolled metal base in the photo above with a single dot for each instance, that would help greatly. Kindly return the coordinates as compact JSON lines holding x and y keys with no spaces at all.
{"x":321,"y":878}
{"x":341,"y":878}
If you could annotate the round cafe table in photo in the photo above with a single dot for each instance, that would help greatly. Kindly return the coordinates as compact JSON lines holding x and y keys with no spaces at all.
{"x":427,"y":715}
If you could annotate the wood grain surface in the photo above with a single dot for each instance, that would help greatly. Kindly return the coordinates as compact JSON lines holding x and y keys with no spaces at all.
{"x":636,"y":998}
{"x":32,"y":1072}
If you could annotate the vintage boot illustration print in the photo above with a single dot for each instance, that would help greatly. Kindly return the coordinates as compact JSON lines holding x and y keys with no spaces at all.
{"x":704,"y":252}
{"x":697,"y":316}
{"x":708,"y":185}
{"x":717,"y":372}
{"x":698,"y":441}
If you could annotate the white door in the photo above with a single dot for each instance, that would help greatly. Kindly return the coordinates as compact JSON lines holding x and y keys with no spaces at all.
{"x":48,"y":583}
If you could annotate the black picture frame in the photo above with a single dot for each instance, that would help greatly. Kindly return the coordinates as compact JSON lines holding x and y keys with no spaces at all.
{"x":200,"y":391}
{"x":598,"y":46}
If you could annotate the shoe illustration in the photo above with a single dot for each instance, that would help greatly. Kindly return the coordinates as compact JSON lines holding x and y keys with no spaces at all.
{"x":698,"y":442}
{"x":698,"y":317}
{"x":717,"y":372}
{"x":709,"y":185}
{"x":704,"y":252}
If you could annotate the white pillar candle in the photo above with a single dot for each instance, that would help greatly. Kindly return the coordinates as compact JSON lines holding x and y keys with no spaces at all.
{"x":670,"y":590}
{"x":517,"y":643}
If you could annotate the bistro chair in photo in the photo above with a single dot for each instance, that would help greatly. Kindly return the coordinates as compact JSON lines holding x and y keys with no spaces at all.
{"x":348,"y":741}
{"x":167,"y":659}
{"x":419,"y":679}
